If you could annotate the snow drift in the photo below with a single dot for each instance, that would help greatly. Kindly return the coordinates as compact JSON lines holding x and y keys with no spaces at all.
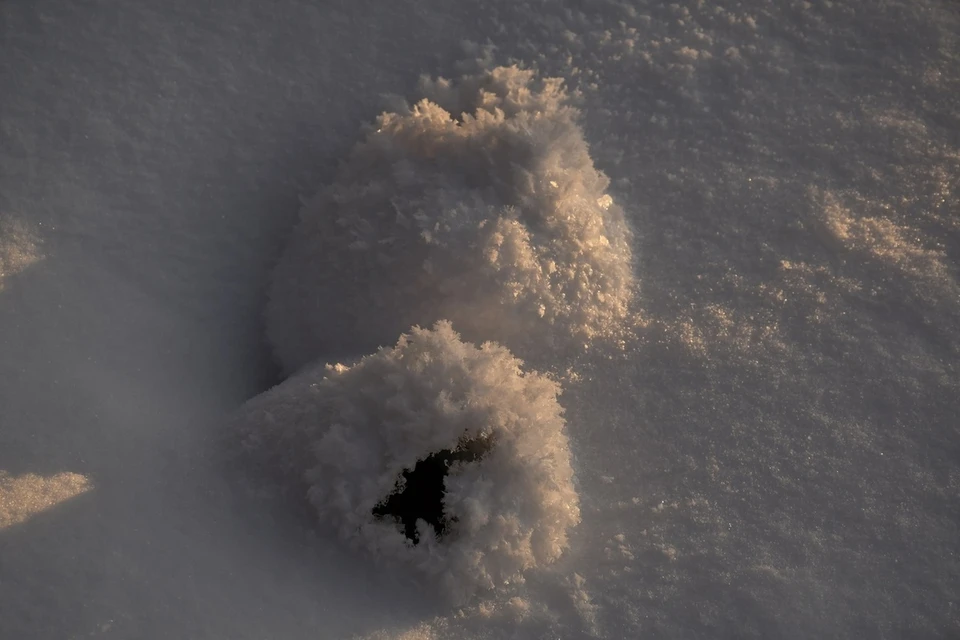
{"x":434,"y":453}
{"x":479,"y":204}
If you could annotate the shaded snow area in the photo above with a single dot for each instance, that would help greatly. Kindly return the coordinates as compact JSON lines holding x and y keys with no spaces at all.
{"x":713,"y":246}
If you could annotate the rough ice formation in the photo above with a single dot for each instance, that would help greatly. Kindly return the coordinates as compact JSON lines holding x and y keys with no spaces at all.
{"x":434,"y":453}
{"x":479,"y":204}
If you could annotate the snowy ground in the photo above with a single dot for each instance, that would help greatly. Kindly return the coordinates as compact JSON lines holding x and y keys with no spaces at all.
{"x":776,"y":454}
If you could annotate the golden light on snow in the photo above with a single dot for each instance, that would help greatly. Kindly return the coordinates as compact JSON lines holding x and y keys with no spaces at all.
{"x":422,"y":631}
{"x":19,"y":247}
{"x":22,"y":497}
{"x":877,"y":237}
{"x":480,"y":204}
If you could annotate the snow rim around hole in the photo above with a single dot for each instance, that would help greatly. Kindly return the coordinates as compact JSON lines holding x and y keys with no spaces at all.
{"x":342,"y":435}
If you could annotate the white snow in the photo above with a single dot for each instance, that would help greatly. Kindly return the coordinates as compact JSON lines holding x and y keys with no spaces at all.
{"x":343,"y":435}
{"x":769,"y":451}
{"x":479,"y":204}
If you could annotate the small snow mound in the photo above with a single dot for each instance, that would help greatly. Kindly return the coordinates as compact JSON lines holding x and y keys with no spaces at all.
{"x":479,"y":204}
{"x":434,"y":453}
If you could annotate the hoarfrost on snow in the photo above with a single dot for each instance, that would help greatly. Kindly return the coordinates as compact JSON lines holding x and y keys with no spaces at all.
{"x":479,"y":204}
{"x":438,"y":454}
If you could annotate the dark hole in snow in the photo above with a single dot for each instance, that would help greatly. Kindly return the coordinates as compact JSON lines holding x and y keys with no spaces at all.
{"x":418,"y":494}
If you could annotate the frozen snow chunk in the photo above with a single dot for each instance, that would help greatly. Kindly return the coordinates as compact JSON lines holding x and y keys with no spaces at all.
{"x":444,"y":457}
{"x":479,"y":204}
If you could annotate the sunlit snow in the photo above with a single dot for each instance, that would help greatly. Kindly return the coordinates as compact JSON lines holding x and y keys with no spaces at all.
{"x":726,"y":235}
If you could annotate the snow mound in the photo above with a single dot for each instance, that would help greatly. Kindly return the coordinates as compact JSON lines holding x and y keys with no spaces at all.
{"x":479,"y":204}
{"x":434,"y":453}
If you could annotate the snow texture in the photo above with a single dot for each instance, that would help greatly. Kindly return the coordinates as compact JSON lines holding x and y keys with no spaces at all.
{"x":480,"y":204}
{"x":350,"y":434}
{"x":774,"y":454}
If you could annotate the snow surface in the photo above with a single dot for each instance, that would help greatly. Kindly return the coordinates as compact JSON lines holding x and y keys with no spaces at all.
{"x":774,"y":454}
